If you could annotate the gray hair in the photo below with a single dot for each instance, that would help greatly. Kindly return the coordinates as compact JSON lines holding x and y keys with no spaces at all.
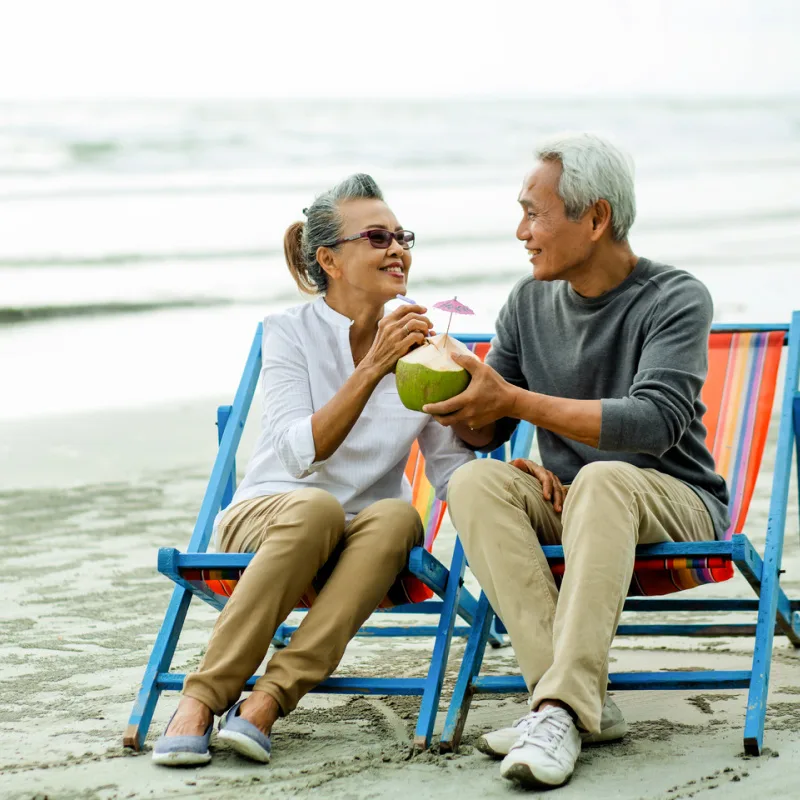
{"x":593,"y":169}
{"x":323,"y":226}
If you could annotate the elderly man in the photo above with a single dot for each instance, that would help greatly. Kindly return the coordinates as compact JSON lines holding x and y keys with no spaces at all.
{"x":606,"y":353}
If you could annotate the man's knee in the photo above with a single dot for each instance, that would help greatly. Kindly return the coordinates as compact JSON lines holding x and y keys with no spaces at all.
{"x":599,"y":488}
{"x":476,"y":477}
{"x":602,"y":476}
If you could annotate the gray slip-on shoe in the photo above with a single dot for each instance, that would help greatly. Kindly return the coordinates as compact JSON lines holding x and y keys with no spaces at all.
{"x":182,"y":751}
{"x":244,"y":737}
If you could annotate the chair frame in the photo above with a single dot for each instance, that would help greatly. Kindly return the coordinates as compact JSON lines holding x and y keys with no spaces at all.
{"x":453,"y":602}
{"x":776,"y":612}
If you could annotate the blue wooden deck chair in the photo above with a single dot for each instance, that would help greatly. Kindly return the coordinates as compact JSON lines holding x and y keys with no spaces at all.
{"x":739,"y":392}
{"x":213,"y":576}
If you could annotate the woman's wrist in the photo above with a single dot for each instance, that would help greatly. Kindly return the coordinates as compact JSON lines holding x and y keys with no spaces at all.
{"x":369,"y":373}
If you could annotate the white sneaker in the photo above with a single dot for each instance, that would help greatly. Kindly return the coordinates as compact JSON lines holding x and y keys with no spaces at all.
{"x":546,"y":751}
{"x":497,"y":744}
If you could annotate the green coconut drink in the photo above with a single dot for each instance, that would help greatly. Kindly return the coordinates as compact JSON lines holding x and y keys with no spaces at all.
{"x":429,"y":375}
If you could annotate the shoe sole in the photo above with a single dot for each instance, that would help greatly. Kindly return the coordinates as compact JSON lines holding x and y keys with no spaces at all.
{"x":245,"y":746}
{"x":181,"y":759}
{"x":522,"y":774}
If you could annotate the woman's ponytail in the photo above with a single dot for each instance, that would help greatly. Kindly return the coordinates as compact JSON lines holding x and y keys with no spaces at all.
{"x":295,"y":258}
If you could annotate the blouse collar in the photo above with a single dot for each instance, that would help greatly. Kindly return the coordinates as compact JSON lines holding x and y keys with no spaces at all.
{"x":330,"y":315}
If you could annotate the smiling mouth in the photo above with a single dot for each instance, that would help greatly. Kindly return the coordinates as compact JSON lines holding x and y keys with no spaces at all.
{"x":534,"y":253}
{"x":395,"y":270}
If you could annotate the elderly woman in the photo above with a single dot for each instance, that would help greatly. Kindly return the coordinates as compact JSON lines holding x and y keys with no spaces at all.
{"x":325,"y":486}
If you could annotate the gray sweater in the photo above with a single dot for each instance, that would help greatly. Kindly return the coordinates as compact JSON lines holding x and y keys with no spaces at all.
{"x":642,"y":349}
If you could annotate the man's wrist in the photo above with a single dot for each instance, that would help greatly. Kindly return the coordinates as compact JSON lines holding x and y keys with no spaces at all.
{"x":513,"y":404}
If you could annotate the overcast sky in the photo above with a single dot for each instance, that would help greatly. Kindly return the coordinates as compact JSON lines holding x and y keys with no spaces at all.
{"x":264,"y":48}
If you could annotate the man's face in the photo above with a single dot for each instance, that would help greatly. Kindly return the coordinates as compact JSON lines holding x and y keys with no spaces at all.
{"x":556,"y":245}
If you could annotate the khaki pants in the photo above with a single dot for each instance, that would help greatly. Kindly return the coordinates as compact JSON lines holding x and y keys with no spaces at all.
{"x":293,"y":535}
{"x":562,"y":639}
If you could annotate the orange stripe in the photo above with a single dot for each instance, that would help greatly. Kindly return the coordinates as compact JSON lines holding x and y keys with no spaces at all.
{"x":732,"y":406}
{"x":719,"y":346}
{"x":769,"y":382}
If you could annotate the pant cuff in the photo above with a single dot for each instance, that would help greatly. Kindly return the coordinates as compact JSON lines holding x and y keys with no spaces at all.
{"x":285,"y":706}
{"x":586,"y":718}
{"x":207,"y":698}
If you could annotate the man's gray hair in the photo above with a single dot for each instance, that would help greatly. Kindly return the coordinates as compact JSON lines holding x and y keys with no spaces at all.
{"x":593,"y":169}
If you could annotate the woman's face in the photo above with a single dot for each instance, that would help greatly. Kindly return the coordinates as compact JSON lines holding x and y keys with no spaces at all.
{"x":359,"y":268}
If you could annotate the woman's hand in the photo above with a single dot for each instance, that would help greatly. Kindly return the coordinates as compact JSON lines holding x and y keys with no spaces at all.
{"x":552,"y":488}
{"x":398,"y":332}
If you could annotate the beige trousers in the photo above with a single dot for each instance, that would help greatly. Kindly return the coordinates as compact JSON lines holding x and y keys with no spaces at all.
{"x":293,"y":536}
{"x":562,"y":639}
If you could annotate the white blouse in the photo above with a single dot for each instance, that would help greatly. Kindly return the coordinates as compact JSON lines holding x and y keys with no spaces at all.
{"x":306,"y":359}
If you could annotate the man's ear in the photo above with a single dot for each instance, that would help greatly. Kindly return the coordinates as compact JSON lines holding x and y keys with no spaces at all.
{"x":327,"y":260}
{"x":601,"y":218}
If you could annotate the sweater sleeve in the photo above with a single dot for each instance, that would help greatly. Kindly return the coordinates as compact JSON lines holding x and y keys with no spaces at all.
{"x":672,"y":368}
{"x":287,"y":405}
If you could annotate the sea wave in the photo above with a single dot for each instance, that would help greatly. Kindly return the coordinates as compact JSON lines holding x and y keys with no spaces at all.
{"x":11,"y":315}
{"x":674,"y":225}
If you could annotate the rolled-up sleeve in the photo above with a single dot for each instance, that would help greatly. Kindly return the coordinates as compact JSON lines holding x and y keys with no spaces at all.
{"x":504,"y":359}
{"x":287,"y":404}
{"x":672,"y":368}
{"x":444,"y":453}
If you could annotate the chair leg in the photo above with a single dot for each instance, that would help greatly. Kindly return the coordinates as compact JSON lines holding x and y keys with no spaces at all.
{"x":441,"y":649}
{"x":470,"y":667}
{"x":762,"y":662}
{"x":496,"y":639}
{"x":281,"y":638}
{"x":160,"y":661}
{"x":467,"y":607}
{"x":796,"y":427}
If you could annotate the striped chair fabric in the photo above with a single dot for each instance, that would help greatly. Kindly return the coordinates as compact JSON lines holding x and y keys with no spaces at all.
{"x":407,"y":588}
{"x":738,"y":395}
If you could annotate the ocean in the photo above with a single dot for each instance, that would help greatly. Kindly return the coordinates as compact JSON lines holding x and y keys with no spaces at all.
{"x":140,"y":242}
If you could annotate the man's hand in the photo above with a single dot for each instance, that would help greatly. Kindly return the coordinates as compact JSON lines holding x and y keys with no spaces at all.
{"x":552,"y":488}
{"x":487,"y":398}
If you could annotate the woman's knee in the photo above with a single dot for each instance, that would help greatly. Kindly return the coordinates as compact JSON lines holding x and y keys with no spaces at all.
{"x":399,"y":519}
{"x":318,"y":507}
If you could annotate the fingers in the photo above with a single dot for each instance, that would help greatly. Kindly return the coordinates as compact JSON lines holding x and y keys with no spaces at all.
{"x":546,"y":480}
{"x":445,"y":408}
{"x":522,"y":464}
{"x":552,"y":488}
{"x":470,"y":363}
{"x":402,"y":311}
{"x":414,"y":339}
{"x":422,"y":324}
{"x":559,"y":494}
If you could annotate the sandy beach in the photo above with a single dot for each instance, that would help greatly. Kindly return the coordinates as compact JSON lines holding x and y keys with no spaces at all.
{"x":88,"y":499}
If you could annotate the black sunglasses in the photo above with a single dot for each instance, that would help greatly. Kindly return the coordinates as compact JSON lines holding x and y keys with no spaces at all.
{"x":381,"y":239}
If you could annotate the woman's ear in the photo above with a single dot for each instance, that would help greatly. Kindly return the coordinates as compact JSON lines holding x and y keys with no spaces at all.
{"x":326,"y":258}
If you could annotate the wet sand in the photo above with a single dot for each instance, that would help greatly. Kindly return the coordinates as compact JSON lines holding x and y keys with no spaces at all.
{"x":85,"y":503}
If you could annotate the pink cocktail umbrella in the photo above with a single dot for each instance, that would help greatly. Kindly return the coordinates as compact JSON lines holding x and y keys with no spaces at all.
{"x":454,"y":307}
